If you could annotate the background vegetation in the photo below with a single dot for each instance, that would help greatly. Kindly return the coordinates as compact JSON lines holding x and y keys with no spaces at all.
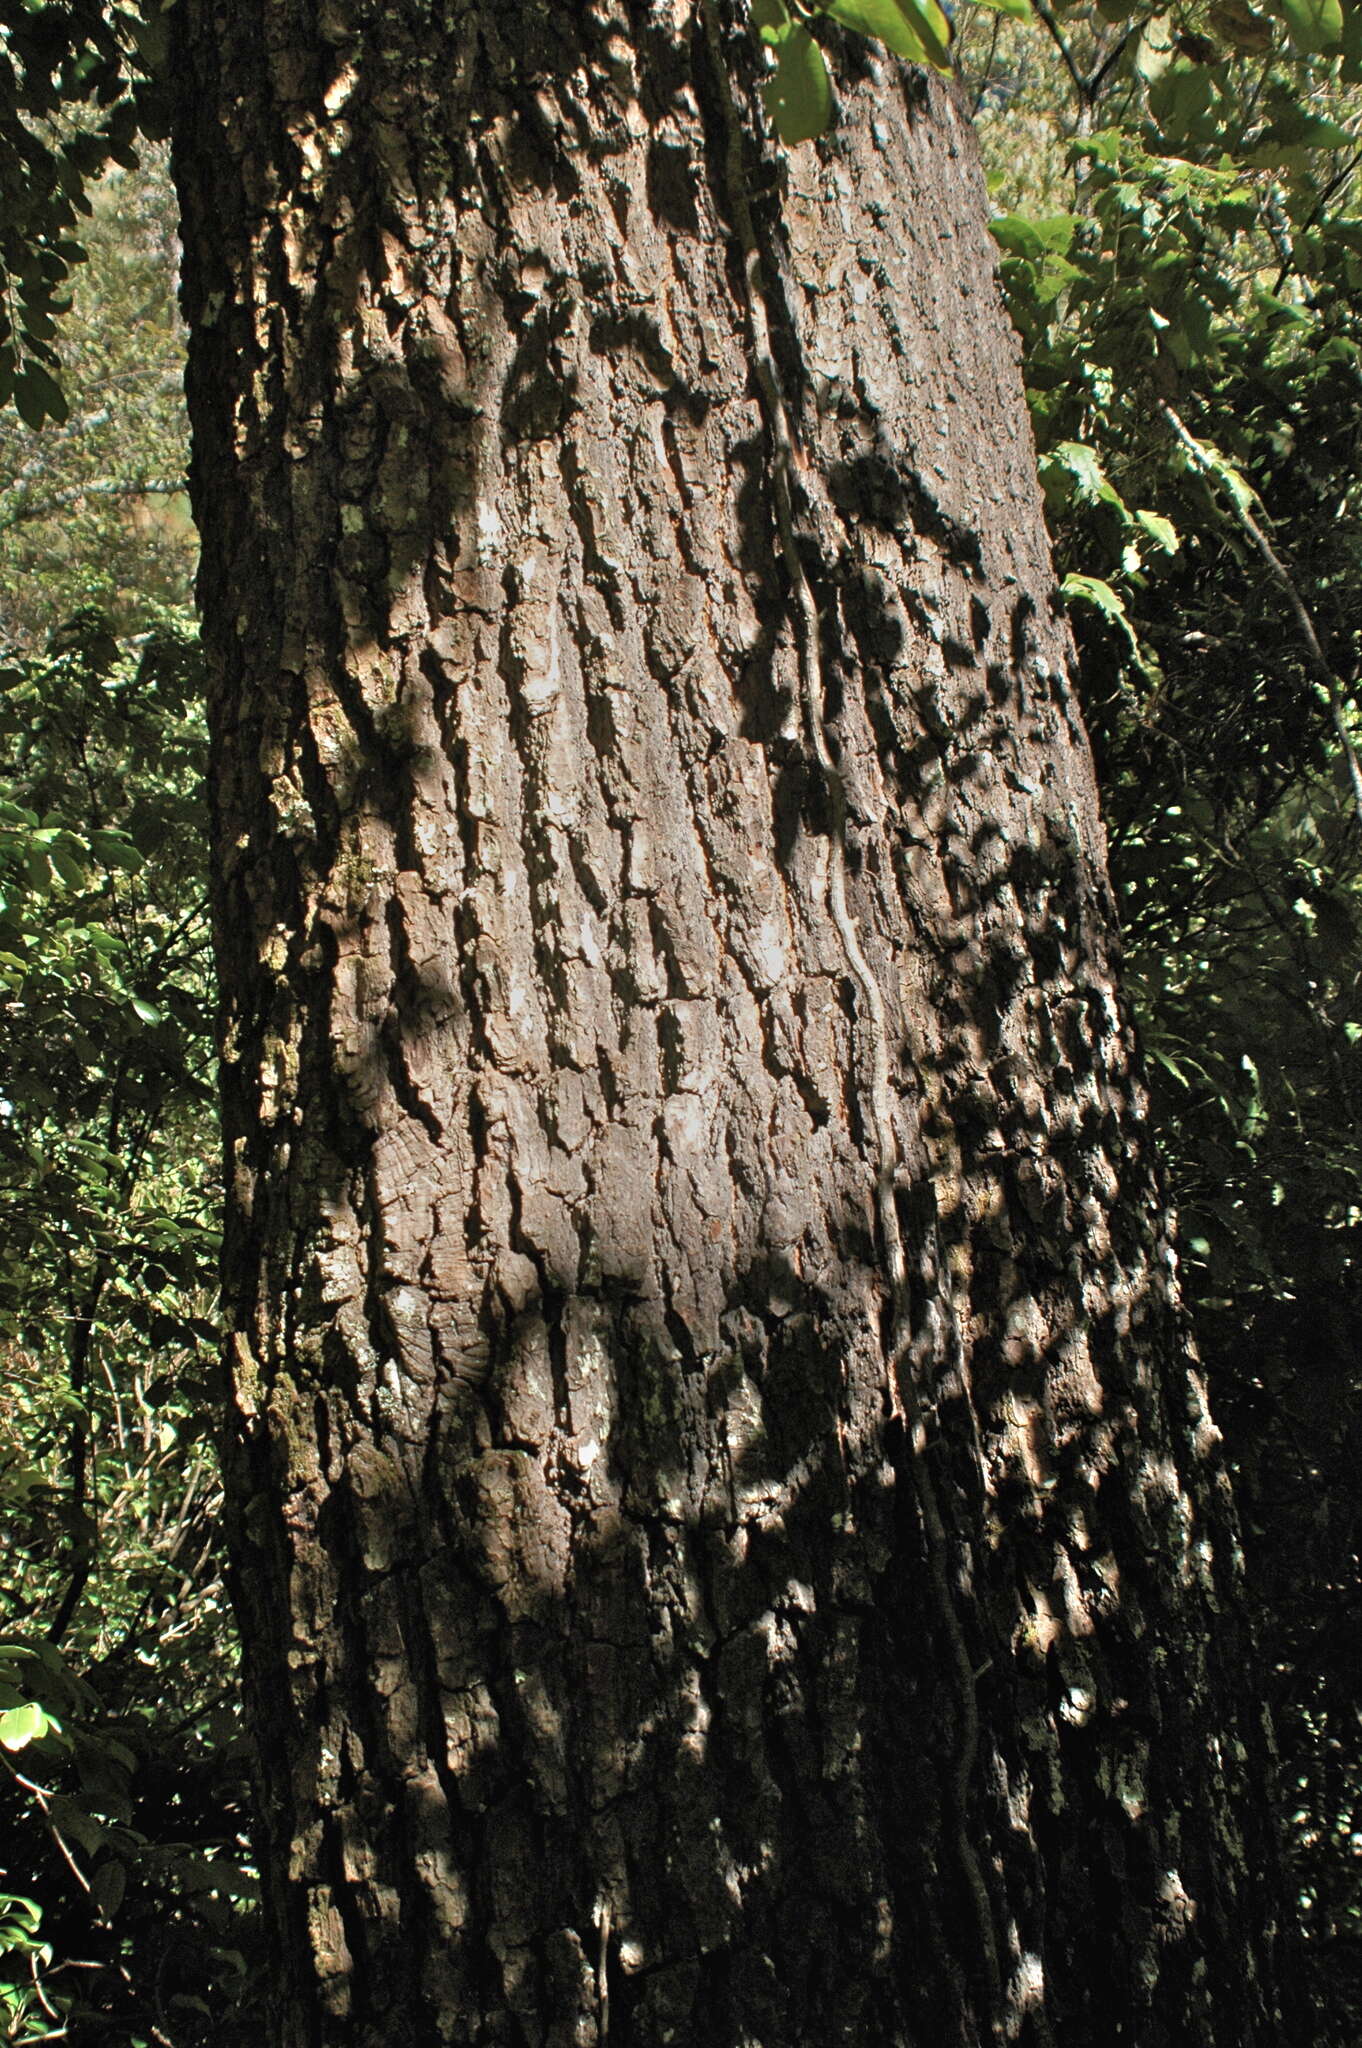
{"x":1182,"y":252}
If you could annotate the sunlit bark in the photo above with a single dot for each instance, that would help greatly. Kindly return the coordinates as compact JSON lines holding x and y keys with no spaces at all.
{"x":729,"y":1545}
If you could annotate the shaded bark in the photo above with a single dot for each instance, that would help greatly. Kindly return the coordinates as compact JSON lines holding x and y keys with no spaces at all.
{"x":729,"y":1544}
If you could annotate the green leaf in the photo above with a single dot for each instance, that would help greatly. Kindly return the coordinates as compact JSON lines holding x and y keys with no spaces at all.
{"x":1156,"y":49}
{"x":1285,"y":140}
{"x":885,"y":20}
{"x":1209,"y":458}
{"x":38,"y":870}
{"x":22,"y":1725}
{"x":108,"y":1885}
{"x":1020,"y":10}
{"x":38,"y":396}
{"x":117,"y":851}
{"x":1073,"y":459}
{"x":771,"y":19}
{"x":1092,"y":590}
{"x":28,"y":402}
{"x":67,"y":866}
{"x":900,"y":25}
{"x":1160,"y":530}
{"x":1018,"y":235}
{"x":1052,"y":234}
{"x":1315,"y":25}
{"x":799,"y":97}
{"x":78,"y":1824}
{"x":932,"y":28}
{"x":1241,"y":26}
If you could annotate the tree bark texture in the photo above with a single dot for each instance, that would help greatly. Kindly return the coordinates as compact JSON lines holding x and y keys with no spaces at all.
{"x":729,"y":1546}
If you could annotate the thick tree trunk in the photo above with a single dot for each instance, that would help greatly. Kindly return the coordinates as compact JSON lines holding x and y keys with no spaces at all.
{"x":729,"y":1545}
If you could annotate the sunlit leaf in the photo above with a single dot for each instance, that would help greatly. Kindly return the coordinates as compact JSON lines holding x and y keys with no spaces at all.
{"x":1092,"y":590}
{"x":22,"y":1725}
{"x":799,"y":97}
{"x":1073,"y":469}
{"x":933,"y":29}
{"x":1160,"y":530}
{"x":901,"y":25}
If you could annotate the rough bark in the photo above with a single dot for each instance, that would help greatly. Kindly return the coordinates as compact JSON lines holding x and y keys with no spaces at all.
{"x":729,"y":1544}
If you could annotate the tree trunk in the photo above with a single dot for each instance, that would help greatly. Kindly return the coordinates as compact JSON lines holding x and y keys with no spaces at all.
{"x":729,"y":1546}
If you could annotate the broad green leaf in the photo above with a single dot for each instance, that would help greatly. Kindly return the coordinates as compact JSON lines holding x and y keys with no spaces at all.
{"x":901,"y":25}
{"x":116,"y":851}
{"x":1018,"y":235}
{"x":28,"y":401}
{"x":1160,"y":530}
{"x":1208,"y":458}
{"x":1056,"y":231}
{"x":1053,"y":233}
{"x":1020,"y":10}
{"x":933,"y":30}
{"x":1092,"y":590}
{"x":1156,"y":49}
{"x":67,"y":866}
{"x":38,"y":396}
{"x":78,"y":1824}
{"x":799,"y":97}
{"x":885,"y":20}
{"x":22,"y":1725}
{"x":1181,"y":97}
{"x":1315,"y":25}
{"x":1288,"y":139}
{"x":771,"y":19}
{"x":1090,"y":480}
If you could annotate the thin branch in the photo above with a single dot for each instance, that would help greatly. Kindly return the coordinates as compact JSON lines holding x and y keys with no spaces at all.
{"x":1056,"y":35}
{"x":1286,"y":582}
{"x":1334,"y":185}
{"x":1108,"y":63}
{"x":986,"y":71}
{"x":106,"y":487}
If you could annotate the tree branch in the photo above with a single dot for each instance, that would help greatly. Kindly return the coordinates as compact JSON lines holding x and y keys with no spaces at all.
{"x":103,"y":487}
{"x":1318,"y":661}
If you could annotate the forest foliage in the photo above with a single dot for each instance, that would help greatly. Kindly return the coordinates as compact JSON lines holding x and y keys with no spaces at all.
{"x":1180,"y":231}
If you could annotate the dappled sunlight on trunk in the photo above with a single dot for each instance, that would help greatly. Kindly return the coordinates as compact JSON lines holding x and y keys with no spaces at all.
{"x":719,"y":1520}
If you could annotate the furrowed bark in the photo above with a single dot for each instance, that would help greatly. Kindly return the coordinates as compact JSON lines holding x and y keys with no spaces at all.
{"x":729,"y":1544}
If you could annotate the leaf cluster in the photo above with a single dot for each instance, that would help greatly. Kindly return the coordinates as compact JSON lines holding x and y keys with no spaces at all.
{"x":122,"y":1773}
{"x":125,"y":1816}
{"x":68,"y":106}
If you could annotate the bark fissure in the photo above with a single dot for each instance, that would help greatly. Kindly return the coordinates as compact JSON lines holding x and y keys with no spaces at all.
{"x":709,"y":1450}
{"x":900,"y":1391}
